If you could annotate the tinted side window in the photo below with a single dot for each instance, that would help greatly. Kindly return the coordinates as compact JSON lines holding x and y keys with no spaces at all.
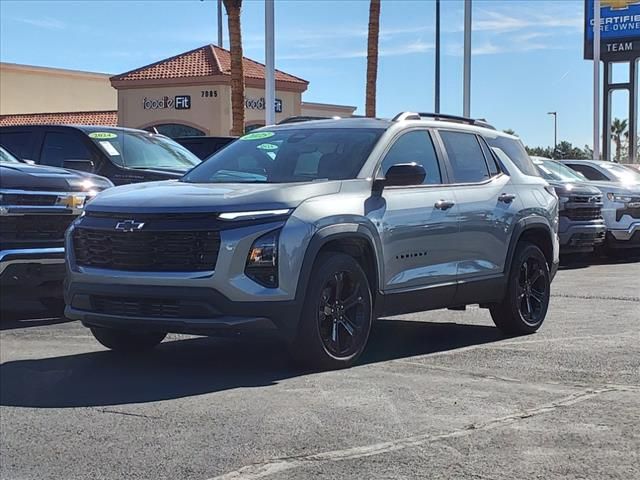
{"x":19,"y":143}
{"x":415,"y":146}
{"x":494,"y":169}
{"x":465,"y":156}
{"x":61,"y":146}
{"x":589,"y":172}
{"x":515,"y":151}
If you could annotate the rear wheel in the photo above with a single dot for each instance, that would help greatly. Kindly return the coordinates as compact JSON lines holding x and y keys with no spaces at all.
{"x":127,"y":340}
{"x":525,"y":304}
{"x":337,"y":314}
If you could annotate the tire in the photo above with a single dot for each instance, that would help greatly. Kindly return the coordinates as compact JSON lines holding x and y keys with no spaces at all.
{"x":337,"y":314}
{"x":526,"y":301}
{"x":126,"y":340}
{"x":53,"y":305}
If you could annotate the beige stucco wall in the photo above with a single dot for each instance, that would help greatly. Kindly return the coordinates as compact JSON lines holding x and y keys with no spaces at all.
{"x":312,"y":109}
{"x":211,"y":114}
{"x":27,"y":89}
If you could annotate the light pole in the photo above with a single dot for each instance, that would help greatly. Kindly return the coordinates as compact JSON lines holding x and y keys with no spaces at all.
{"x":555,"y":132}
{"x":437,"y":69}
{"x":467,"y":60}
{"x":270,"y":72}
{"x":220,"y":23}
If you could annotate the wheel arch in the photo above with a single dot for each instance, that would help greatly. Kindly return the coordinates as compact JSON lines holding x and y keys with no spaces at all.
{"x":354,"y":239}
{"x":535,"y":230}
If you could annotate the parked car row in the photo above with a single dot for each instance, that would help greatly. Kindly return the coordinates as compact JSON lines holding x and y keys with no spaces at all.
{"x":599,"y":203}
{"x":308,"y":230}
{"x":37,"y":205}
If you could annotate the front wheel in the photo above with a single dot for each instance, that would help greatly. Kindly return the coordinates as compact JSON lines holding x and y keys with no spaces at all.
{"x":337,"y":314}
{"x":127,"y":340}
{"x":526,"y":301}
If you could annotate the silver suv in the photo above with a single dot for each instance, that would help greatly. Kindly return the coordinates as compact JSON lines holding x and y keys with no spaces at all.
{"x":312,"y":230}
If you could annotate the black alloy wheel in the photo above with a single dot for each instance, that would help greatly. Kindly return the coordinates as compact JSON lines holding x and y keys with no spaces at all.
{"x":342,"y":319}
{"x":337,"y":314}
{"x":532,"y":291}
{"x":526,"y":300}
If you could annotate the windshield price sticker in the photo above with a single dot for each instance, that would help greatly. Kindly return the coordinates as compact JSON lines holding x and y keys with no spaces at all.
{"x":109,"y":148}
{"x":267,"y":146}
{"x":257,"y":136}
{"x":102,"y":135}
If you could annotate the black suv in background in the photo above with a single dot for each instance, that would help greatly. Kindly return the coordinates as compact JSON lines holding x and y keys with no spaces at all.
{"x":203,"y":147}
{"x":37,"y":204}
{"x":123,"y":155}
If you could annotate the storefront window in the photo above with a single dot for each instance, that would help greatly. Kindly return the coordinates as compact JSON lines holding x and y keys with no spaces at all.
{"x":176,"y":130}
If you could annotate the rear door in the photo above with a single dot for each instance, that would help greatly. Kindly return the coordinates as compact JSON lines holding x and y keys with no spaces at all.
{"x":487,"y":206}
{"x":416,"y":234}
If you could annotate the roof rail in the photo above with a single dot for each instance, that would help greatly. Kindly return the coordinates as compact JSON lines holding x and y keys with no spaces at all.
{"x":405,"y":116}
{"x":444,"y":117}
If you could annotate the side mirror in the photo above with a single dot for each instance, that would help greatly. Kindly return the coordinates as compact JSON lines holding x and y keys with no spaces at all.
{"x":404,"y":174}
{"x":82,"y":165}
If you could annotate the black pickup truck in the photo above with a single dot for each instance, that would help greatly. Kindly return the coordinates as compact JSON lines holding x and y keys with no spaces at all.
{"x":37,"y":204}
{"x":123,"y":155}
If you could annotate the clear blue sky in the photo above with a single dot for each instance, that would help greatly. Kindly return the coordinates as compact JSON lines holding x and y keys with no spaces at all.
{"x":527,"y":54}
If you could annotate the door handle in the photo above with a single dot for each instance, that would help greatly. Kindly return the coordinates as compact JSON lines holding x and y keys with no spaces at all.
{"x":444,"y":204}
{"x":507,"y":197}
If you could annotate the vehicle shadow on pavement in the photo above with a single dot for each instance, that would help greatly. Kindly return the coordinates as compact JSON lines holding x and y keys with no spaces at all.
{"x":196,"y":366}
{"x":27,"y":314}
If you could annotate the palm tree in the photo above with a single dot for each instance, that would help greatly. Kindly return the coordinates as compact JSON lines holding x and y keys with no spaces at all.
{"x":372,"y":57}
{"x":618,"y":131}
{"x":233,"y":8}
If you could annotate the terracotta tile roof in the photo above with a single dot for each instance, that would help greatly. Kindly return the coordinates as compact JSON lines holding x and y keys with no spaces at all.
{"x":106,"y":118}
{"x":208,"y":60}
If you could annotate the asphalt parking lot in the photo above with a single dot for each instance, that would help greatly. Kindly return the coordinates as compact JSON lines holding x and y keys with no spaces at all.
{"x":437,"y":395}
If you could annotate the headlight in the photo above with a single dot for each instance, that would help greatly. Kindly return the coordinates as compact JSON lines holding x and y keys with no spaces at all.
{"x":617,"y":197}
{"x":262,"y":261}
{"x":253,"y":215}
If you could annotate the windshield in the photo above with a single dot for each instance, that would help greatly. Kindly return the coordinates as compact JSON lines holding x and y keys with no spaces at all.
{"x":555,"y":171}
{"x":622,"y":173}
{"x":6,"y":157}
{"x":141,"y":150}
{"x":289,"y":155}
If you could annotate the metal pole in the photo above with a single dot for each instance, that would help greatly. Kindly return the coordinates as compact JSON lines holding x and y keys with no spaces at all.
{"x":270,"y":72}
{"x":220,"y":23}
{"x":555,"y":132}
{"x":596,"y":80}
{"x":467,"y":59}
{"x":437,"y":86}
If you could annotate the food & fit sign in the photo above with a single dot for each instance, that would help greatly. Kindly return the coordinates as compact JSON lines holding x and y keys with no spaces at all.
{"x":619,"y":29}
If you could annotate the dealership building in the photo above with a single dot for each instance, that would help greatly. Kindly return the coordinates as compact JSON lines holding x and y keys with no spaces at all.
{"x":188,"y":94}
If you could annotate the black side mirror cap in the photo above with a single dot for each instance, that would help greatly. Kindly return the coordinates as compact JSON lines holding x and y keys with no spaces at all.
{"x":79,"y":164}
{"x":404,"y":174}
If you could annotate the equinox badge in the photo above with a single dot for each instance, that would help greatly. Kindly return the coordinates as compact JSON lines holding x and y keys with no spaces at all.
{"x":129,"y":226}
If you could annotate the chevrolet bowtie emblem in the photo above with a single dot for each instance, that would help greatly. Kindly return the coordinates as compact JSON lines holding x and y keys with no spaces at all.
{"x":129,"y":226}
{"x":619,"y":4}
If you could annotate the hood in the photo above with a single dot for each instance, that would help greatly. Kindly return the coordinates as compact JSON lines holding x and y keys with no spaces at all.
{"x":615,"y":187}
{"x":23,"y":176}
{"x":173,"y":196}
{"x":574,"y":188}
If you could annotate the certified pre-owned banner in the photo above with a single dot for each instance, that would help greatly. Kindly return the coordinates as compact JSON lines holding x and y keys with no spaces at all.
{"x":619,"y":29}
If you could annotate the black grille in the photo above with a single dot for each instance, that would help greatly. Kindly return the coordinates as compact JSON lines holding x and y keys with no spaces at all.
{"x":22,"y":199}
{"x":581,"y":214}
{"x":149,"y":307}
{"x":172,"y":251}
{"x":33,"y":230}
{"x":586,"y":199}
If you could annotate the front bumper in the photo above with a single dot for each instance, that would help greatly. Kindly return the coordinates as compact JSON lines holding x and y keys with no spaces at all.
{"x":31,"y":273}
{"x":624,"y":238}
{"x":189,"y":310}
{"x":582,"y":237}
